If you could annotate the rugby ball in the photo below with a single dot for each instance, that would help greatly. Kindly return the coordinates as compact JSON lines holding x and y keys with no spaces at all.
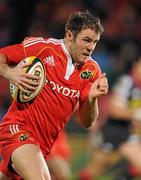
{"x":36,"y":68}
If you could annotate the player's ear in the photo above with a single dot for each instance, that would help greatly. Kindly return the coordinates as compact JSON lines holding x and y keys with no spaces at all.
{"x":69,"y":35}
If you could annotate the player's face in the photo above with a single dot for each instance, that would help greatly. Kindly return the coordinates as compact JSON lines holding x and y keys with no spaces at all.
{"x":83,"y":45}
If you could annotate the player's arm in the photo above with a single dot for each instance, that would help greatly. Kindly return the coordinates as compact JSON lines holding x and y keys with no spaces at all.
{"x":15,"y":74}
{"x":4,"y":68}
{"x":88,"y":110}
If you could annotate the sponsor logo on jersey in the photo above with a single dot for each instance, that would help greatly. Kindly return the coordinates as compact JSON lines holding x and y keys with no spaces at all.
{"x":49,"y":60}
{"x":73,"y":93}
{"x":23,"y":137}
{"x":86,"y":74}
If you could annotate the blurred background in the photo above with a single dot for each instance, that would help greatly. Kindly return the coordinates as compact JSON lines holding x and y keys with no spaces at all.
{"x":117,"y":48}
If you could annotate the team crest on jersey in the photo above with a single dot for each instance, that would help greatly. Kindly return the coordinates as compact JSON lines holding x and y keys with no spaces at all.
{"x":86,"y":74}
{"x":23,"y":137}
{"x":49,"y":60}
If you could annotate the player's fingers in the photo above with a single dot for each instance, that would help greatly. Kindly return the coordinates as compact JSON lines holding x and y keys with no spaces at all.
{"x":31,"y":76}
{"x":23,"y":89}
{"x":103,"y":92}
{"x":27,"y":86}
{"x":24,"y":65}
{"x":103,"y":75}
{"x":103,"y":83}
{"x":30,"y":82}
{"x":103,"y":86}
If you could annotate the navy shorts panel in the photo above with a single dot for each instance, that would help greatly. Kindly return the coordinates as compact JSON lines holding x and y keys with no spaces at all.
{"x":115,"y":133}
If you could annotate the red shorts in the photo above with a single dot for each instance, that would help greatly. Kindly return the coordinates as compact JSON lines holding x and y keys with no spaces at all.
{"x":12,"y":137}
{"x":61,"y":147}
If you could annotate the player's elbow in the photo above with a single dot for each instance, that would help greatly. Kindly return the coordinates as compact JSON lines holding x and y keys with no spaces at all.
{"x":87,"y":123}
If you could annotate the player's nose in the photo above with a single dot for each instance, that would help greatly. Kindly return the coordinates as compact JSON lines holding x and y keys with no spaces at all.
{"x":90,"y":47}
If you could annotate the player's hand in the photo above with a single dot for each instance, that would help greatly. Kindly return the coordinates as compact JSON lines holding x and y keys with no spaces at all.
{"x":24,"y":81}
{"x":99,"y":87}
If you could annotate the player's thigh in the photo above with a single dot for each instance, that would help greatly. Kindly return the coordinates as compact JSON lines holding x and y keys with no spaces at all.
{"x":3,"y":176}
{"x":29,"y":163}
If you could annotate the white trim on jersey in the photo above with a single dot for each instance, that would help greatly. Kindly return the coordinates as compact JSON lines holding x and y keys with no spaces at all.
{"x":70,"y":66}
{"x":54,"y":41}
{"x":14,"y":128}
{"x":32,"y":41}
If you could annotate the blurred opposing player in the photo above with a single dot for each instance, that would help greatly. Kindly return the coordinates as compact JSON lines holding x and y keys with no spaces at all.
{"x":121,"y":133}
{"x":28,"y":131}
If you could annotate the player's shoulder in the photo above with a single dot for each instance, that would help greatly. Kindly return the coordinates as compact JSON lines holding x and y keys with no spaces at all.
{"x":29,"y":41}
{"x":32,"y":39}
{"x":53,"y":41}
{"x":90,"y":70}
{"x":92,"y":63}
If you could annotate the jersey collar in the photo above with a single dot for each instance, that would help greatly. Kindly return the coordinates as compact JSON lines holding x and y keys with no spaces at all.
{"x":70,"y":66}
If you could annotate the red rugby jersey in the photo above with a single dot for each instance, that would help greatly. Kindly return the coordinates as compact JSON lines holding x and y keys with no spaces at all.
{"x":66,"y":84}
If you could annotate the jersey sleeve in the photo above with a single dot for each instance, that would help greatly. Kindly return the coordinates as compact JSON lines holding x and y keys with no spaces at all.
{"x":14,"y":53}
{"x":33,"y":46}
{"x":94,"y":73}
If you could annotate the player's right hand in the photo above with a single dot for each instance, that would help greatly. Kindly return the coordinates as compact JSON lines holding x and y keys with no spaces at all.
{"x":24,"y":81}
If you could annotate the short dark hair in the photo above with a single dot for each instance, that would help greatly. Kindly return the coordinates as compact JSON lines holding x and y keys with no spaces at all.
{"x":83,"y":20}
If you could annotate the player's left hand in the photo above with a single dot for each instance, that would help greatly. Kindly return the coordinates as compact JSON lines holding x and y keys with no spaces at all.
{"x":99,"y":87}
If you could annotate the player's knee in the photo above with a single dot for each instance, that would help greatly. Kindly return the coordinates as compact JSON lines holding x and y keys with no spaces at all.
{"x":32,"y":164}
{"x":30,"y":175}
{"x":38,"y":176}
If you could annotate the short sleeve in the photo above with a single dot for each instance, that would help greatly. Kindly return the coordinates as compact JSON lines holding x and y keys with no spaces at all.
{"x":14,"y":53}
{"x":89,"y":74}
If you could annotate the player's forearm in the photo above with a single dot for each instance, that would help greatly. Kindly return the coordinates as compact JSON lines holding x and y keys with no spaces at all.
{"x":4,"y":68}
{"x":88,"y":112}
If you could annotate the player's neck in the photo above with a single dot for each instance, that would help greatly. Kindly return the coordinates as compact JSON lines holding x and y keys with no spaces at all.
{"x":67,"y":45}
